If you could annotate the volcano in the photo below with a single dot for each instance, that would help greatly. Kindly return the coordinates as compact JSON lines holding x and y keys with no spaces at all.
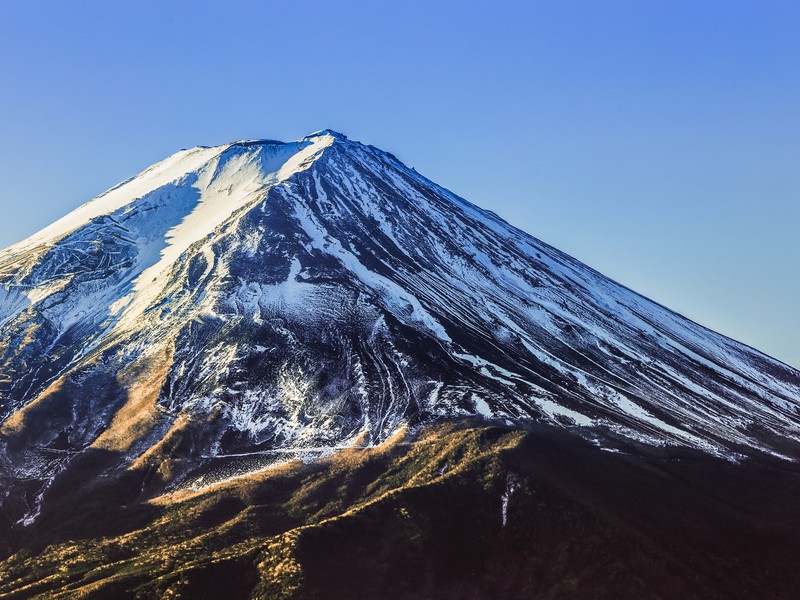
{"x":235,"y":311}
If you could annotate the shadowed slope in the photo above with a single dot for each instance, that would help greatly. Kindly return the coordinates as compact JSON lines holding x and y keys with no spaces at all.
{"x":424,"y":516}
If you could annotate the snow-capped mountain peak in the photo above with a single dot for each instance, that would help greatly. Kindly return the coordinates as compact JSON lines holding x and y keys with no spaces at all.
{"x":262,"y":295}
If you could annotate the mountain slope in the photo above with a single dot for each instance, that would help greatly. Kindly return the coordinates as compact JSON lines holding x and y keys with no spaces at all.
{"x":237,"y":305}
{"x":451,"y":512}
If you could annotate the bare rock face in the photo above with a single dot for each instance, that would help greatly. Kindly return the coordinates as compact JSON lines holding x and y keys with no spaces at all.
{"x":260,"y":299}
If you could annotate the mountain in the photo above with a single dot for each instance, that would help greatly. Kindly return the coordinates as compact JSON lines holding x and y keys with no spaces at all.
{"x":247,"y":305}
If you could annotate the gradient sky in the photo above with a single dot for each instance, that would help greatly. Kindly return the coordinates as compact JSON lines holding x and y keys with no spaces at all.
{"x":658,"y":141}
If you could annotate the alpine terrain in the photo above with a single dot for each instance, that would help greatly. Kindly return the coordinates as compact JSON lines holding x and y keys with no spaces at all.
{"x":303,"y":370}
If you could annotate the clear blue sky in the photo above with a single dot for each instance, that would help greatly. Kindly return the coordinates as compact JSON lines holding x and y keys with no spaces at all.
{"x":658,"y":141}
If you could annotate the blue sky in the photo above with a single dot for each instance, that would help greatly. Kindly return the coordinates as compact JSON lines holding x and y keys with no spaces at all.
{"x":658,"y":141}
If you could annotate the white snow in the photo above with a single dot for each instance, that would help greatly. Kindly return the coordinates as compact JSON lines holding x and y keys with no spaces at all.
{"x":556,"y":410}
{"x":168,"y":170}
{"x":226,"y":183}
{"x":481,"y":406}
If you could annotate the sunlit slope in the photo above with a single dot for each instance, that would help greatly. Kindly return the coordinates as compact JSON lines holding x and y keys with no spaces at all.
{"x":455,"y":511}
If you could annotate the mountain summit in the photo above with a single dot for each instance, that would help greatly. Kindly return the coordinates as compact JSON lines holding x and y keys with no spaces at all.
{"x":235,"y":303}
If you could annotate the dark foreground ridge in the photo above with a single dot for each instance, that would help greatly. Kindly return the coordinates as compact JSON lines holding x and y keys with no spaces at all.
{"x":423,"y":516}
